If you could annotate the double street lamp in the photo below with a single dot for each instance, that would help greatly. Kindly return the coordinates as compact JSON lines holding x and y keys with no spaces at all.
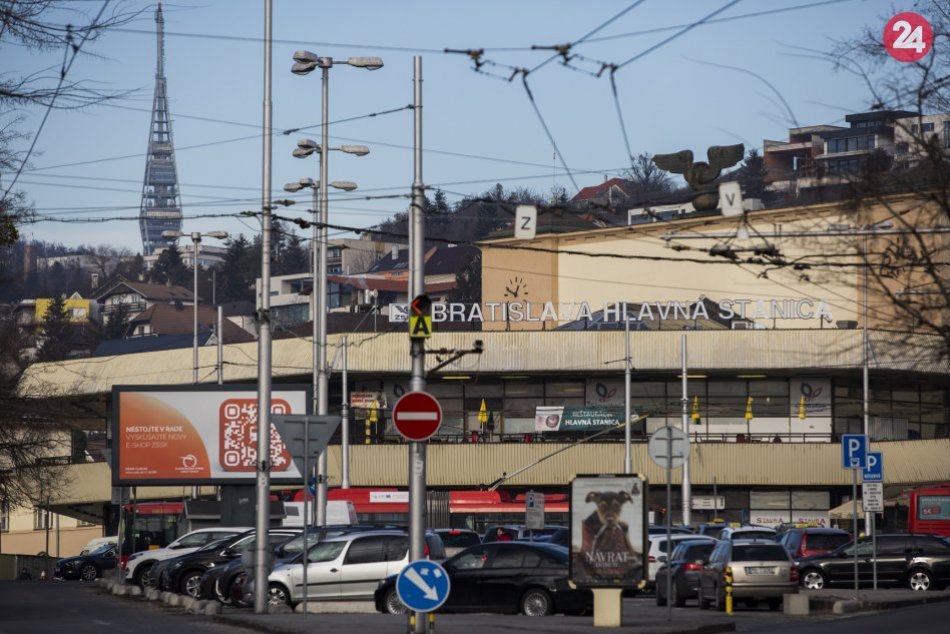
{"x":304,"y":63}
{"x":196,"y":240}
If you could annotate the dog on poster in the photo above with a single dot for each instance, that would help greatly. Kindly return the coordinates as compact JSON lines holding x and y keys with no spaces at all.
{"x":606,"y":551}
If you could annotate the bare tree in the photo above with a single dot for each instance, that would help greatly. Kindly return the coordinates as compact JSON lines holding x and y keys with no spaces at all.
{"x":42,"y":25}
{"x":910,"y":191}
{"x":647,"y":176}
{"x":31,"y":439}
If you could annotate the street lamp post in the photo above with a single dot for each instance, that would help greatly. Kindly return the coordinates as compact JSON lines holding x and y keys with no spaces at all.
{"x":196,"y":240}
{"x":304,"y":63}
{"x":306,"y":147}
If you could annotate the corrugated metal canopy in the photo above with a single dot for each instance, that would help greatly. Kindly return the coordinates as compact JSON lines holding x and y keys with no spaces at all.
{"x":506,"y":352}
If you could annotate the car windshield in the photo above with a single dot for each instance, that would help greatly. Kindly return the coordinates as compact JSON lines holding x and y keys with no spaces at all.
{"x":218,"y":543}
{"x":101,"y":550}
{"x":325,"y":551}
{"x":759,"y":552}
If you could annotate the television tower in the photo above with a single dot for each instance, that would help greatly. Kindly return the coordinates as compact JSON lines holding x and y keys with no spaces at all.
{"x":161,"y":202}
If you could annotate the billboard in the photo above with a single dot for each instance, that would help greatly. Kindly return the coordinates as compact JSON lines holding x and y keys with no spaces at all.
{"x":576,"y":420}
{"x":608,"y":531}
{"x":197,"y":435}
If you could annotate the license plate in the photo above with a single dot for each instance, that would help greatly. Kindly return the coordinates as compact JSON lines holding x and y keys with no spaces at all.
{"x":760,"y":570}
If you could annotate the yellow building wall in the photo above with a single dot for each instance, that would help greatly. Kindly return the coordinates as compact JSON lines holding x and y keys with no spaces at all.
{"x":66,"y":536}
{"x":634,"y":264}
{"x":78,"y":309}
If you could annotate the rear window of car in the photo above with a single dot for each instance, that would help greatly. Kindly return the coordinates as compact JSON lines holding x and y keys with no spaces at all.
{"x":750,"y":535}
{"x":824,"y":541}
{"x":436,"y":547}
{"x":759,"y":552}
{"x":459,"y":539}
{"x":694,"y":552}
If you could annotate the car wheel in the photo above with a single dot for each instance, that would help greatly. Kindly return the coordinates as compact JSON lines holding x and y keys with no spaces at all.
{"x":703,"y":601}
{"x":536,"y":602}
{"x":920,"y":580}
{"x":392,"y":604}
{"x":278,"y":595}
{"x":813,"y":579}
{"x":675,"y":597}
{"x":775,"y":604}
{"x":88,"y":572}
{"x":143,"y":576}
{"x":191,"y":584}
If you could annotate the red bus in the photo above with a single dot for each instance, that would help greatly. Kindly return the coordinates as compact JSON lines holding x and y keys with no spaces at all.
{"x":448,"y":509}
{"x":148,"y":525}
{"x":929,"y":510}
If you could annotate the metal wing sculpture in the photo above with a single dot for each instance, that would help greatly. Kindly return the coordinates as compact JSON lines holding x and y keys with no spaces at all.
{"x":700,"y":174}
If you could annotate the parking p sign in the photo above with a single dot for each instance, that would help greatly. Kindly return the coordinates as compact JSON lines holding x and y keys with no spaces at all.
{"x":874,"y":469}
{"x":854,"y":450}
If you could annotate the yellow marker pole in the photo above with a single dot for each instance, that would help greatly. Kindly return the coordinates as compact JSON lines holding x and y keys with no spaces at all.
{"x":801,"y":408}
{"x":728,"y":589}
{"x":370,"y":420}
{"x":431,"y":621}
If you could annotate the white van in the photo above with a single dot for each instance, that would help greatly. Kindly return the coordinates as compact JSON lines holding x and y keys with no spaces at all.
{"x":338,"y":512}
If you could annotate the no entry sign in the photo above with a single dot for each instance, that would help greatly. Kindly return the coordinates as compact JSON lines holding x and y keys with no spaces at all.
{"x":417,"y":415}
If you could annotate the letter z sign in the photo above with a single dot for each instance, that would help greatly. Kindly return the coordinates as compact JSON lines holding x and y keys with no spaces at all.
{"x":420,"y":318}
{"x":854,"y":450}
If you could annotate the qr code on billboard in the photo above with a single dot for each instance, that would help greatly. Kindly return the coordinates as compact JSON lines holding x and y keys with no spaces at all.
{"x":238,"y":435}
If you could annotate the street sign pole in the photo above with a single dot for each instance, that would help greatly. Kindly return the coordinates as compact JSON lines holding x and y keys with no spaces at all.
{"x":669,"y":448}
{"x":854,"y":456}
{"x":873,"y":473}
{"x":854,"y":525}
{"x":417,"y":450}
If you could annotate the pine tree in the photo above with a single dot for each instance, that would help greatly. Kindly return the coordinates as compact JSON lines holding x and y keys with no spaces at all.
{"x":170,"y":268}
{"x":752,"y":177}
{"x":118,"y":323}
{"x":56,"y":331}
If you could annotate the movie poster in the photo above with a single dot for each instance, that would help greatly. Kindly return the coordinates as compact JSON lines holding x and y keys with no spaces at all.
{"x":608,"y":530}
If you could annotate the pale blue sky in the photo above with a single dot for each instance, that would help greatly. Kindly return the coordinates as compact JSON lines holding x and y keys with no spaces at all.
{"x":214,"y":67}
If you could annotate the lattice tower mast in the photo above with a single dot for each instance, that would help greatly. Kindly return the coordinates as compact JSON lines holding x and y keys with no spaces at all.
{"x":161,"y":201}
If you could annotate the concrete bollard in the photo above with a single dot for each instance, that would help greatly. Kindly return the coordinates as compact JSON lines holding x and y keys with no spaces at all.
{"x":152,"y":594}
{"x":279,"y":608}
{"x":212,"y":608}
{"x":133,"y":591}
{"x":197,"y":606}
{"x":846,"y":606}
{"x":796,"y":604}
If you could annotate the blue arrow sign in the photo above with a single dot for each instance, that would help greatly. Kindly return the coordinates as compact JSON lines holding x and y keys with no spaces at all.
{"x":854,"y":449}
{"x":423,"y":586}
{"x":874,"y":469}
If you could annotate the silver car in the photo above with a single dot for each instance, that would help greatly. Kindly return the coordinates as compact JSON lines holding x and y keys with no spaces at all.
{"x":345,"y":567}
{"x":761,"y":570}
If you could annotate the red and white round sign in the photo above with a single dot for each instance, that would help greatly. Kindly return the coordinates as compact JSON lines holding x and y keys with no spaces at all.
{"x":417,"y":415}
{"x":908,"y":36}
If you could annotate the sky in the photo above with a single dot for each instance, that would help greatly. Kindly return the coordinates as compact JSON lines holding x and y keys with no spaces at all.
{"x":479,"y":128}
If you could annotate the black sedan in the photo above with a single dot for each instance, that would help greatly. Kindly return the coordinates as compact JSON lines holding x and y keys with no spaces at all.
{"x":918,"y":562}
{"x":506,"y":577}
{"x":684,"y":567}
{"x":86,"y":567}
{"x":183,"y":574}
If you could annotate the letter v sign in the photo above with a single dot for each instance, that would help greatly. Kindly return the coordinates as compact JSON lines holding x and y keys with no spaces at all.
{"x":730,"y":198}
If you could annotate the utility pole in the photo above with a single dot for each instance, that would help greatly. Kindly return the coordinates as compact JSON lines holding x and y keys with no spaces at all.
{"x":345,"y":422}
{"x":262,"y":546}
{"x":687,"y":486}
{"x":417,"y":450}
{"x":627,"y":361}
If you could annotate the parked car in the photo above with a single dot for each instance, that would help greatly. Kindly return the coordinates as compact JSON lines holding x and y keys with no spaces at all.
{"x":809,"y":542}
{"x":711,"y":529}
{"x":344,"y":567}
{"x":515,"y":531}
{"x":456,"y":540}
{"x":96,"y":542}
{"x":86,"y":567}
{"x":747,"y":532}
{"x":183,"y":574}
{"x":684,"y":567}
{"x":919,"y":562}
{"x":561,"y":537}
{"x":761,"y":570}
{"x":657,"y":547}
{"x":660,"y":529}
{"x":158,"y":575}
{"x":507,"y":577}
{"x":138,"y":566}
